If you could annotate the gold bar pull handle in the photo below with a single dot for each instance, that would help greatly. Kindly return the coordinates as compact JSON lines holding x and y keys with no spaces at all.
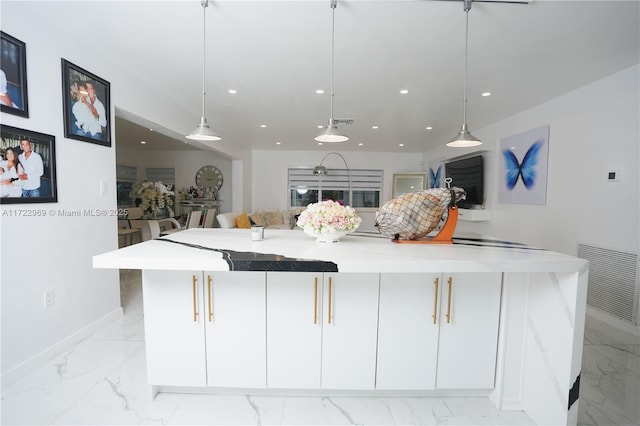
{"x":195,"y":305}
{"x":435,"y":301}
{"x":329,"y":309}
{"x":449,"y":301}
{"x":315,"y":301}
{"x":209,"y":297}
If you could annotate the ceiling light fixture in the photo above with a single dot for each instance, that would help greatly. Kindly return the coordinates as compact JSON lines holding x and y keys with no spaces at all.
{"x":465,"y":138}
{"x":203,"y":132}
{"x":331,"y":133}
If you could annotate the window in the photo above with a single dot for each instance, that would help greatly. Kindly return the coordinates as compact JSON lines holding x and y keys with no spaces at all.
{"x":305,"y":187}
{"x":125,"y":178}
{"x":165,"y":175}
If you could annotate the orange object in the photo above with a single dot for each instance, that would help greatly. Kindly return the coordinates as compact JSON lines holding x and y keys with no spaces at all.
{"x":443,"y":237}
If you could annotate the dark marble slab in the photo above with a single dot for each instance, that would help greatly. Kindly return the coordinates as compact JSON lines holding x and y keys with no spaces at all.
{"x":252,"y":261}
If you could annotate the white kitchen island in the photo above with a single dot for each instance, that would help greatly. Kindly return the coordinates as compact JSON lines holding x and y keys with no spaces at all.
{"x":364,"y":316}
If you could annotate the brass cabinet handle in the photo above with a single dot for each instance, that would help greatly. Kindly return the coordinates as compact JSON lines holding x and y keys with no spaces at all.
{"x":209,"y":298}
{"x":449,"y":302}
{"x":315,"y":301}
{"x":195,"y":306}
{"x":435,"y":301}
{"x":329,"y":313}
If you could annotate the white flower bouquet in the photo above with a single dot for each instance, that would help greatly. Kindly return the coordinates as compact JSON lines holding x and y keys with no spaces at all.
{"x":328,"y":217}
{"x":153,"y":196}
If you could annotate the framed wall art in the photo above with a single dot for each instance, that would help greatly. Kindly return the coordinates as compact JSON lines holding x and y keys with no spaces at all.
{"x":13,"y":76}
{"x":523,"y":169}
{"x":27,"y":167}
{"x":86,"y":105}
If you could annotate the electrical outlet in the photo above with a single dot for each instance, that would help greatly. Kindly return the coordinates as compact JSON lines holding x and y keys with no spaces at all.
{"x":49,"y":298}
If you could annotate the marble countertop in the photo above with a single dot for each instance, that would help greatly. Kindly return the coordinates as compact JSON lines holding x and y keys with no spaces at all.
{"x":216,"y":249}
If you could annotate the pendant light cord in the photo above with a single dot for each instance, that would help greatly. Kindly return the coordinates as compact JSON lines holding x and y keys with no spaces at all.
{"x":466,"y":65}
{"x":333,"y":36}
{"x":205,"y":3}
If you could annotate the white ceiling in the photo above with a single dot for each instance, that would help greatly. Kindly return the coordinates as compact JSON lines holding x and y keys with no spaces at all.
{"x":277,"y":53}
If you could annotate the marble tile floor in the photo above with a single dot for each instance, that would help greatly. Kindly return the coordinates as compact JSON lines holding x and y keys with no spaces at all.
{"x":102,"y":380}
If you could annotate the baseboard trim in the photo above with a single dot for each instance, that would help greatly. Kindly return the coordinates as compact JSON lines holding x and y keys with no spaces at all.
{"x":613,"y":321}
{"x":53,"y":351}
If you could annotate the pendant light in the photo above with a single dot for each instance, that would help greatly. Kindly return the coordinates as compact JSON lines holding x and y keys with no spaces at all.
{"x":331,"y":133}
{"x":203,"y":132}
{"x":465,"y":138}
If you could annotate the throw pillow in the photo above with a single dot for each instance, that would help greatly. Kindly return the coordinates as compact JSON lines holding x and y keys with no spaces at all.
{"x":257,"y":219}
{"x":273,"y":218}
{"x":242,"y":221}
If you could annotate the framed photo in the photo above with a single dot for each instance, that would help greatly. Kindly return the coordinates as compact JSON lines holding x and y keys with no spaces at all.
{"x":13,"y":76}
{"x":408,"y":182}
{"x":28,"y":163}
{"x":86,"y":104}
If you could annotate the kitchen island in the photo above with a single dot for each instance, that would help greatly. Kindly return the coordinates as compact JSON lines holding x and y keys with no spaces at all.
{"x":363,"y":316}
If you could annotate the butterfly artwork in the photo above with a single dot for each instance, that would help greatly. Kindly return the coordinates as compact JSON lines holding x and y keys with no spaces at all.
{"x":524,"y":167}
{"x":525,"y":170}
{"x":435,"y":178}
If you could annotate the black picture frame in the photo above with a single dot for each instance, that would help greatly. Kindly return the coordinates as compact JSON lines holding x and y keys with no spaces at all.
{"x":80,"y":120}
{"x":14,"y":67}
{"x":41,"y":144}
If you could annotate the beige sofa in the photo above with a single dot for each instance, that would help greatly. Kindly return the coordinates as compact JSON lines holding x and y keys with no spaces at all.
{"x":271,"y":219}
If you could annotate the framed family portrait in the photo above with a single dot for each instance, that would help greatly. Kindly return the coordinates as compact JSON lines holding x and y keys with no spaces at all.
{"x":27,"y":166}
{"x":86,"y":105}
{"x":13,"y":76}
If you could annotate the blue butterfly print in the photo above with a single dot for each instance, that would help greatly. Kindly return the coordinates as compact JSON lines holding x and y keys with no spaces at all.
{"x":434,"y":178}
{"x":525,"y":170}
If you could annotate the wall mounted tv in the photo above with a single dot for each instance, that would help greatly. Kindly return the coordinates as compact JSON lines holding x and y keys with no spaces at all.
{"x":468,"y":174}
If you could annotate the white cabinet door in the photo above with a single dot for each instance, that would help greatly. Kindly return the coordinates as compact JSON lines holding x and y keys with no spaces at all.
{"x":349,"y":330}
{"x":408,"y":331}
{"x":174,"y":328}
{"x":470,"y":310}
{"x":294,"y":329}
{"x":235,"y":323}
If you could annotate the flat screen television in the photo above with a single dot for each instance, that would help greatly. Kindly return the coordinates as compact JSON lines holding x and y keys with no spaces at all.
{"x":468,"y":174}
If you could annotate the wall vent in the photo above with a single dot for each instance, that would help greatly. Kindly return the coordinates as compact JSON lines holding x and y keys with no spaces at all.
{"x":613,"y":281}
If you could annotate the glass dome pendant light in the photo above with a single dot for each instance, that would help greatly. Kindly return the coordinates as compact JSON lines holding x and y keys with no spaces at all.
{"x":331,"y":132}
{"x":465,"y":138}
{"x":203,"y":132}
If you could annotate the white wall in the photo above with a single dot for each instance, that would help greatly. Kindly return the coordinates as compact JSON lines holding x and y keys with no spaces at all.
{"x":54,"y":252}
{"x":592,"y":130}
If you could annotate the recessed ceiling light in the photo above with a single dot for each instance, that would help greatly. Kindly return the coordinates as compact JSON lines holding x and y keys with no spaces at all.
{"x":320,"y":92}
{"x":233,"y":91}
{"x":404,"y":91}
{"x":278,"y":143}
{"x":320,"y":127}
{"x":319,"y":143}
{"x":429,"y":128}
{"x":485,"y":94}
{"x":360,"y":144}
{"x":151,"y":130}
{"x":143,"y":142}
{"x":400,"y":144}
{"x":263,"y":125}
{"x":374,"y":127}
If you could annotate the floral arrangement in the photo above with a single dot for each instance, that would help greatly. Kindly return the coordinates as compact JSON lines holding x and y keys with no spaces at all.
{"x":153,"y":197}
{"x":327,"y":217}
